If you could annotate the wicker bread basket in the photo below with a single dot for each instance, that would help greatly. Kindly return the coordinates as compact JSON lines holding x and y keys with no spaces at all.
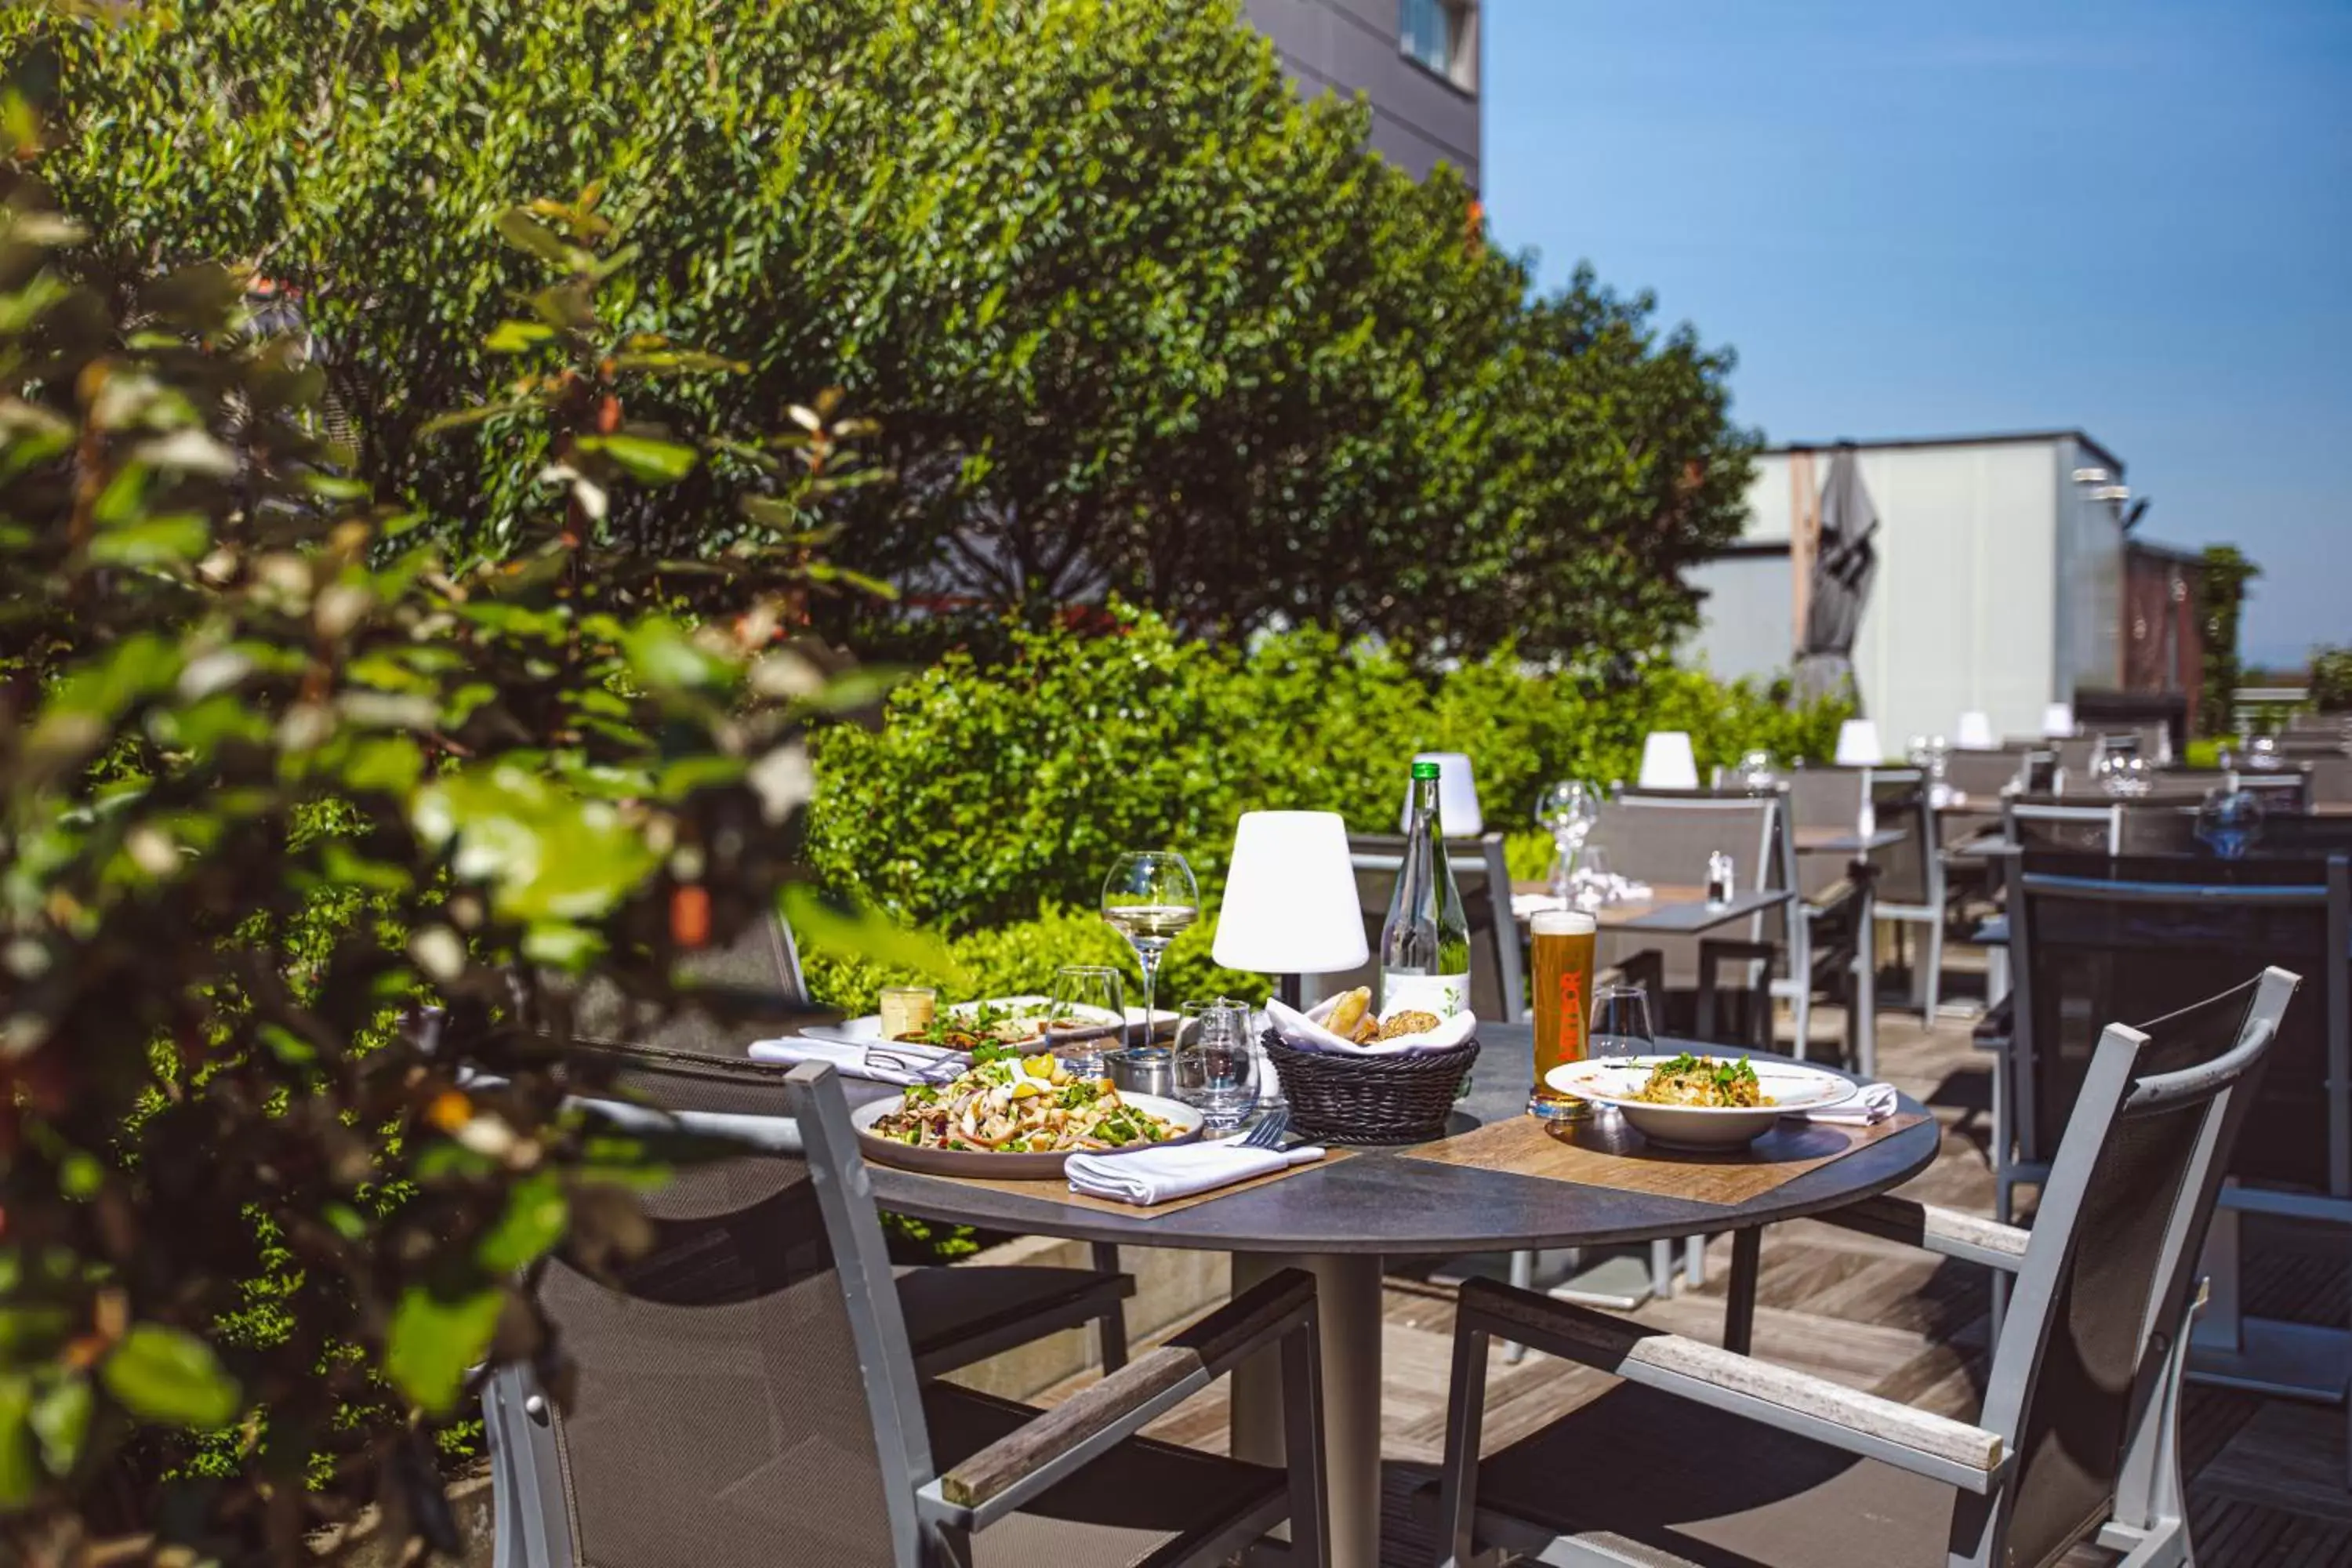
{"x":1340,"y":1098}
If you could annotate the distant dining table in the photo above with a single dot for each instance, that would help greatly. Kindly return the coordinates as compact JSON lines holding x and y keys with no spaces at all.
{"x":1498,"y":1181}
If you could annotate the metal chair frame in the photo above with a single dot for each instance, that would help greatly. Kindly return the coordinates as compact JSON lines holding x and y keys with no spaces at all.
{"x":1982,"y":1460}
{"x":934,"y":1513}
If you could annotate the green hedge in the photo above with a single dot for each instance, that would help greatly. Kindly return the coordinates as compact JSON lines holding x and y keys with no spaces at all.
{"x":991,"y":795}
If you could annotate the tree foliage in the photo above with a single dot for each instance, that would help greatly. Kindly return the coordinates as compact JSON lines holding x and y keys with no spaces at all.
{"x":1134,"y":317}
{"x":275,"y":778}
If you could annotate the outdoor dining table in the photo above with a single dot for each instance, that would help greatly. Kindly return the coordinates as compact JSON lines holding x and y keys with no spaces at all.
{"x":1340,"y":1219}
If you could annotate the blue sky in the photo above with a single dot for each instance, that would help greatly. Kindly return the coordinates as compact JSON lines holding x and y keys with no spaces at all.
{"x":2131,"y":218}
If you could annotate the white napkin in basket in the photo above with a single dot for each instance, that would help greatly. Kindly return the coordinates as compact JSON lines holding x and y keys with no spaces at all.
{"x":1304,"y":1032}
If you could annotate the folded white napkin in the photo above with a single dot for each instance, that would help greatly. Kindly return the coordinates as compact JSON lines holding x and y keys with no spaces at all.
{"x":1873,"y":1102}
{"x":908,"y":1064}
{"x":1161,"y":1175}
{"x":1304,"y":1032}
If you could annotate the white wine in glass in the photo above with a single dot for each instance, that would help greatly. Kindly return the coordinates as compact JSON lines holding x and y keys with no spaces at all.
{"x":1148,"y":897}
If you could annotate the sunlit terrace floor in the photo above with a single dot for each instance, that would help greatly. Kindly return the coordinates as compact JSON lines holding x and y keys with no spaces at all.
{"x":2266,"y":1476}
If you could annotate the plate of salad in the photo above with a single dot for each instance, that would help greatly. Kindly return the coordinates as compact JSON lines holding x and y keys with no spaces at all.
{"x":1017,"y":1117}
{"x":1004,"y":1021}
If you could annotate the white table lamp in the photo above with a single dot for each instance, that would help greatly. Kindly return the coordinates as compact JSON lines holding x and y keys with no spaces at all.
{"x":1457,"y":797}
{"x":1975,"y":731}
{"x":2058,"y":721}
{"x":1290,"y":906}
{"x":1858,"y":744}
{"x":1667,"y":762}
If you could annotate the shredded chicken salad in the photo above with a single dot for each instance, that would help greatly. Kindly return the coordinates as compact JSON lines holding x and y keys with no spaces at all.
{"x":1021,"y":1105}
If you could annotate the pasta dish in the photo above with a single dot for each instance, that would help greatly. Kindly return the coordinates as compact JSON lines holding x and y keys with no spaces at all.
{"x":1703,"y":1081}
{"x":1021,"y":1105}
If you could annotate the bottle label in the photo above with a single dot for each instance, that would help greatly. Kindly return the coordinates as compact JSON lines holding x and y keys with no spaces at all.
{"x":1443,"y":994}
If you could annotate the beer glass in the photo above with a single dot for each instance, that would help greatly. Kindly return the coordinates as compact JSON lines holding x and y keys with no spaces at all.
{"x":1562,"y":941}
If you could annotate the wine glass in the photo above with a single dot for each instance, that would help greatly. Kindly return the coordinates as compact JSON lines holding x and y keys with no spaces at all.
{"x":1089,"y":1009}
{"x":1569,"y":809}
{"x":1150,"y":897}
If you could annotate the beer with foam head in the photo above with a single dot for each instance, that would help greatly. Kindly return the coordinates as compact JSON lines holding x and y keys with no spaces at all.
{"x":1562,"y":941}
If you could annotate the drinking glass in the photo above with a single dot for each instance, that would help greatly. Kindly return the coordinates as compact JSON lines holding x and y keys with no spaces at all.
{"x":1089,"y":1012}
{"x":1150,"y":896}
{"x":1561,"y":943}
{"x":1756,"y":773}
{"x":1621,"y":1022}
{"x":1216,"y":1069}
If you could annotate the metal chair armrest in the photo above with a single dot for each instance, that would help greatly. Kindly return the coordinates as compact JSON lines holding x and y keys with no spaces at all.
{"x":1948,"y":1232}
{"x":1015,"y":1468}
{"x":1936,"y":1447}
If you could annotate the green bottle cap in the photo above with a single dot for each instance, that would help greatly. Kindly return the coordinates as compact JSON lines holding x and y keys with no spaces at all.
{"x":1424,"y":770}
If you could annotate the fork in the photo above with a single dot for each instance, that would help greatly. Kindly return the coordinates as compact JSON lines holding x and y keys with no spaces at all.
{"x":1271,"y":1130}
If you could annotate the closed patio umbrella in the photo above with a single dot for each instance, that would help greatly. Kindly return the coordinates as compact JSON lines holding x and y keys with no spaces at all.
{"x":1844,"y":562}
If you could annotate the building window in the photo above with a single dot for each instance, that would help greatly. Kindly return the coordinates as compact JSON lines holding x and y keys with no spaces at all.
{"x":1436,"y":34}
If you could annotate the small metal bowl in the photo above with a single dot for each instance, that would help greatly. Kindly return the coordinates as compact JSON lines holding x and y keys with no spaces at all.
{"x":1143,"y":1069}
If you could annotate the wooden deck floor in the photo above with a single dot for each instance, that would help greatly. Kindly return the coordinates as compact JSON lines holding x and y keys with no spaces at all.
{"x":2266,"y":1476}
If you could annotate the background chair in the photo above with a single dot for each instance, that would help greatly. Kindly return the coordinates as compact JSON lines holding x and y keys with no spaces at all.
{"x":695,"y":1061}
{"x":744,"y":1394}
{"x":1664,"y":837}
{"x":1704,"y":1456}
{"x":1497,"y":985}
{"x":2281,"y":789}
{"x":2090,"y":935}
{"x":2148,"y":825}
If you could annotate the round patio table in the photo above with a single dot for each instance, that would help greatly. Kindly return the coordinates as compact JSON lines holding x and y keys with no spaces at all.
{"x":1339,"y":1221}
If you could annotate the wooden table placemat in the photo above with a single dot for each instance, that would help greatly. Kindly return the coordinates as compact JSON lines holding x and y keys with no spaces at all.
{"x":1058,"y":1190}
{"x":1614,"y":1155}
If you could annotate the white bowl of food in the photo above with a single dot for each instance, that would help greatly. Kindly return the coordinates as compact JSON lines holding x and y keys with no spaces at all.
{"x":1709,"y":1103}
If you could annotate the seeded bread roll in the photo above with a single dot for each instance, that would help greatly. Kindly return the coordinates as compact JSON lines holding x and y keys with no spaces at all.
{"x":1408,"y":1022}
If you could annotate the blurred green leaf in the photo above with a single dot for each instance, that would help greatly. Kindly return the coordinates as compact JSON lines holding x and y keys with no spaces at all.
{"x":433,"y":1342}
{"x":170,"y":1377}
{"x":647,"y":460}
{"x":535,"y":1216}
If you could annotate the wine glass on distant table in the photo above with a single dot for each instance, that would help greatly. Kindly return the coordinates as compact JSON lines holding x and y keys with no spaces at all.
{"x":1568,"y":809}
{"x":1150,"y":897}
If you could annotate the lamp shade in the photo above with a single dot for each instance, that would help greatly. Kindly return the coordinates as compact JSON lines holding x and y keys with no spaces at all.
{"x":1290,"y":904}
{"x":1974,"y":733}
{"x":1858,"y":744}
{"x":1667,"y":762}
{"x":1457,"y":797}
{"x":2058,"y":719}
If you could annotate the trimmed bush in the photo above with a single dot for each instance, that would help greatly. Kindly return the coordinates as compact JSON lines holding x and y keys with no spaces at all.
{"x":988,"y":790}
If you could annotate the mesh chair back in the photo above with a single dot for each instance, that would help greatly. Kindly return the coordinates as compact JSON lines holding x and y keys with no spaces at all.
{"x":2291,"y":837}
{"x":2093,"y":938}
{"x":721,"y":1413}
{"x":2281,"y":789}
{"x":2331,"y":779}
{"x":1986,"y":776}
{"x":754,"y":979}
{"x":1826,"y":797}
{"x":2105,"y":1289}
{"x":1909,"y":872}
{"x":2148,"y":825}
{"x":1664,"y":839}
{"x":2075,"y":753}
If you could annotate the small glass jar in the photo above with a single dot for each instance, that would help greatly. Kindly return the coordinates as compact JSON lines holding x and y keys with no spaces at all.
{"x":909,"y":1010}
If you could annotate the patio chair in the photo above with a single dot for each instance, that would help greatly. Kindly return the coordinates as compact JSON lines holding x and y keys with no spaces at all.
{"x":698,"y":1057}
{"x":1910,"y":891}
{"x":2148,"y":825}
{"x":1703,"y":1456}
{"x":2281,"y":789}
{"x":744,"y":1394}
{"x":2090,"y":935}
{"x":1497,"y":985}
{"x":1664,"y":837}
{"x":955,"y":1316}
